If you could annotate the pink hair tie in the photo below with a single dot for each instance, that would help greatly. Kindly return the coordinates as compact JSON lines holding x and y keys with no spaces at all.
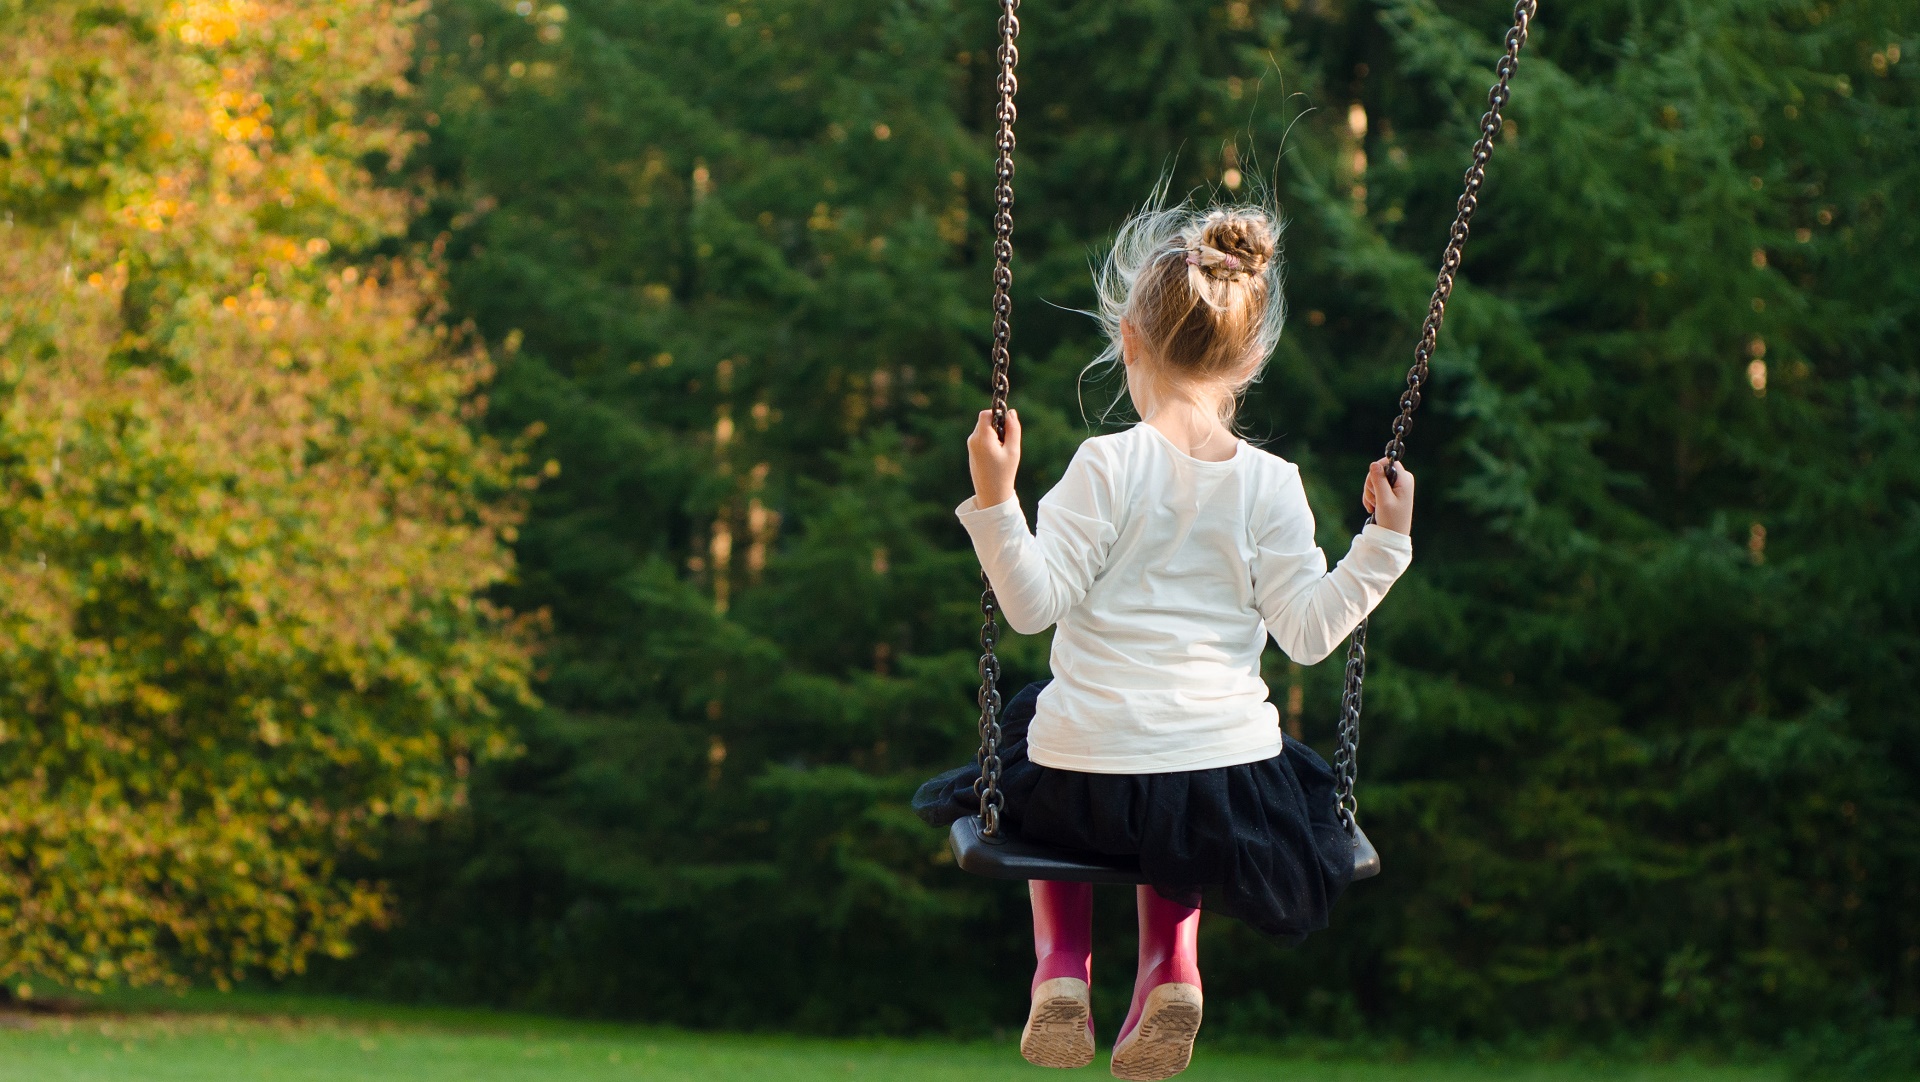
{"x":1203,"y":256}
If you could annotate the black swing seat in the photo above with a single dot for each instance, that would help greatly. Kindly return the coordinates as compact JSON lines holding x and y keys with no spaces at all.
{"x":1014,"y":857}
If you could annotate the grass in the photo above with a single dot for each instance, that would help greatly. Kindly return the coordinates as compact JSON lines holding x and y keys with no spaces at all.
{"x":284,"y":1039}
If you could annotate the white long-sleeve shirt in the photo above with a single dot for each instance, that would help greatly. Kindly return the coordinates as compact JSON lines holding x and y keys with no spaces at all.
{"x":1166,"y":574}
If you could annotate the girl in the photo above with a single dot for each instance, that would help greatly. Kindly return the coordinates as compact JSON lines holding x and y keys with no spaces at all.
{"x":1165,"y":557}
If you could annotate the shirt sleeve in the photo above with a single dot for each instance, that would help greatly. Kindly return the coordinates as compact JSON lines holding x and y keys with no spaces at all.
{"x":1039,"y":579}
{"x":1308,"y":609}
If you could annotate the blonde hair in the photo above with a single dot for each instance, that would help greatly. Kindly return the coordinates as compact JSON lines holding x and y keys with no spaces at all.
{"x":1200,"y":289}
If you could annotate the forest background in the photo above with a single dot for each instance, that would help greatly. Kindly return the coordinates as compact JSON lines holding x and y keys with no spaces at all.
{"x":478,"y":487}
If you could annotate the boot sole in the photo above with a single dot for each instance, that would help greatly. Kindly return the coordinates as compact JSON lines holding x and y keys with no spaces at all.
{"x":1056,"y":1034}
{"x":1161,"y":1046}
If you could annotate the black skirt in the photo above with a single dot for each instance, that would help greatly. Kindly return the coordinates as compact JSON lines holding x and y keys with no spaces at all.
{"x":1259,"y":842}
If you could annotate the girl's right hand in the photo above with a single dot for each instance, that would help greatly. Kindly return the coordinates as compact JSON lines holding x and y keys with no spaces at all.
{"x":993,"y":461}
{"x":1390,"y":506}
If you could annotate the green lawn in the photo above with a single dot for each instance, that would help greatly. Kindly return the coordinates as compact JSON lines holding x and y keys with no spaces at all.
{"x":273,"y":1042}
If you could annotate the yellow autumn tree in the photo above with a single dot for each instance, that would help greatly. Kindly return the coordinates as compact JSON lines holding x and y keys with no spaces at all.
{"x":245,"y":526}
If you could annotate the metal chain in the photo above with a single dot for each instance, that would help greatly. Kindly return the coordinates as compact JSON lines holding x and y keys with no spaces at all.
{"x":1346,"y":761}
{"x":987,"y":788}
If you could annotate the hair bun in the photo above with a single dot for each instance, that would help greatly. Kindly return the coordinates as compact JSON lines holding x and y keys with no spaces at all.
{"x":1193,"y":296}
{"x":1248,"y":238}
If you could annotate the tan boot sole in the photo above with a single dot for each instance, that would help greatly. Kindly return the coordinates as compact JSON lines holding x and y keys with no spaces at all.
{"x":1161,"y":1046}
{"x":1056,"y":1034}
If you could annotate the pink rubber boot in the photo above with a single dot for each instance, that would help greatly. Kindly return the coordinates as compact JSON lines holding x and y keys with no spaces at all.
{"x":1059,"y":1030}
{"x":1157,"y":1040}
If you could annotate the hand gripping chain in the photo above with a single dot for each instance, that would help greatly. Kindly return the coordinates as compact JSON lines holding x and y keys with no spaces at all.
{"x":988,"y":787}
{"x":1346,"y":760}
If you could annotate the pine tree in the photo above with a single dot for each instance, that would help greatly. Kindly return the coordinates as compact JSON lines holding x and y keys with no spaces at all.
{"x":1636,"y":746}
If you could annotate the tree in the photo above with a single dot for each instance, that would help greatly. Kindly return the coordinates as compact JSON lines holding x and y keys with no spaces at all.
{"x":1638,"y":752}
{"x":1642,"y":716}
{"x":723,"y":251}
{"x":245,"y":529}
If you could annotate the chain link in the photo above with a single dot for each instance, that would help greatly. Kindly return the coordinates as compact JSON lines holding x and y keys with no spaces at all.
{"x":987,"y":788}
{"x":1346,"y":760}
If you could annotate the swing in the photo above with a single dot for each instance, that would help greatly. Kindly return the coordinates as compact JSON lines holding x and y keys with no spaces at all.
{"x":981,"y":844}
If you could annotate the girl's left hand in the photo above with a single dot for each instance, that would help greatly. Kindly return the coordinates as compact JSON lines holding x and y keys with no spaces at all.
{"x":993,"y":461}
{"x":1390,"y":505}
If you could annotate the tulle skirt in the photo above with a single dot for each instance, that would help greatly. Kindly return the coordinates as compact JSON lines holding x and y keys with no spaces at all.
{"x":1259,"y":842}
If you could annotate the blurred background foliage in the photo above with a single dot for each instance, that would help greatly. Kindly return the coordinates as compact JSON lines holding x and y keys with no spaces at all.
{"x":1640,"y":749}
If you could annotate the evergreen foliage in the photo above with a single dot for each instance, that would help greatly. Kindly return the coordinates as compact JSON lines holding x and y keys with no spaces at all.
{"x":1640,"y":750}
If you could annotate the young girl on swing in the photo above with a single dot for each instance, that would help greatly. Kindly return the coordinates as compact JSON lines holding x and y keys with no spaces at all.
{"x":1165,"y":557}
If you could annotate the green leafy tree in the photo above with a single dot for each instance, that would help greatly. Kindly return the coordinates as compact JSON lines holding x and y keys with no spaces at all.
{"x":244,"y":523}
